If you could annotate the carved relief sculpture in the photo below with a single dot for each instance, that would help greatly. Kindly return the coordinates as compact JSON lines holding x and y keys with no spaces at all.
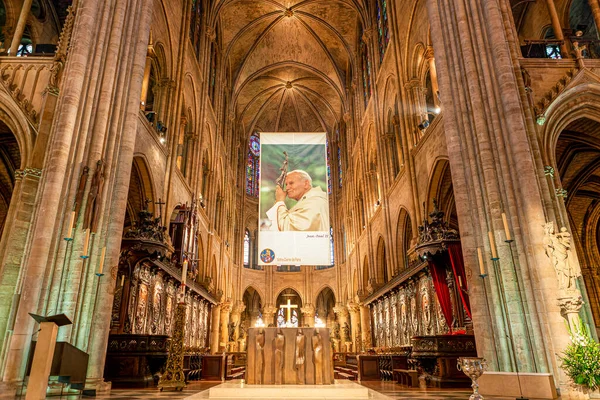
{"x":260,"y":356}
{"x":558,"y":246}
{"x":300,"y":357}
{"x":279,"y":351}
{"x":317,"y":345}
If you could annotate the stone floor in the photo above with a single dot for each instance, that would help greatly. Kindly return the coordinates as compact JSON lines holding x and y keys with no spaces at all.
{"x":379,"y":390}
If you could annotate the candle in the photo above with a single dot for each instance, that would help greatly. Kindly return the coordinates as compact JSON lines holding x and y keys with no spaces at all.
{"x":101,"y":266}
{"x":481,"y":265}
{"x":184,"y":272}
{"x":506,"y":230}
{"x":459,"y":281}
{"x":122,"y":279}
{"x":493,"y":245}
{"x":86,"y":243}
{"x":71,"y":225}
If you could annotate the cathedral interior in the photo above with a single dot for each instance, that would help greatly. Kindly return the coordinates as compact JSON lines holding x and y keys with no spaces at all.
{"x":463,"y":181}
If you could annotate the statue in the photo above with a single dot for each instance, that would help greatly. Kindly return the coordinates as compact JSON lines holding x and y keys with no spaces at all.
{"x":260,"y":356}
{"x":231,"y":329}
{"x":242,"y":332}
{"x":346,"y":330}
{"x":279,"y":350}
{"x":336,"y":330}
{"x":300,"y":356}
{"x":317,"y":345}
{"x":558,"y":246}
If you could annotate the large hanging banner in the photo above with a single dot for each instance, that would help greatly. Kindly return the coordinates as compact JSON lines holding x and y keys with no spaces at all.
{"x":294,"y":227}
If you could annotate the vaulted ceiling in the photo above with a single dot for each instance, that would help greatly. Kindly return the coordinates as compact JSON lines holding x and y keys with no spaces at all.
{"x":290,"y":61}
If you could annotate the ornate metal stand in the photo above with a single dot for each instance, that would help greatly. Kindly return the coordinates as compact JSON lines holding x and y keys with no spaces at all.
{"x":174,"y":378}
{"x":473,"y":367}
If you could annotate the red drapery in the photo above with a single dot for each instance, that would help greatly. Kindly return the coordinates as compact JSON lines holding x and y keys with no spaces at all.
{"x":458,"y":267}
{"x":438,"y":272}
{"x":437,"y":267}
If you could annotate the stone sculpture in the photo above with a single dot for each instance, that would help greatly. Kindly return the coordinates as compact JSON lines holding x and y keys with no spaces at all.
{"x":317,"y":345}
{"x":279,"y":351}
{"x":300,"y":357}
{"x":260,"y":356}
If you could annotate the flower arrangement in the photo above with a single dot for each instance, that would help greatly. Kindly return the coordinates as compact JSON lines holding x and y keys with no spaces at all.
{"x":581,"y":360}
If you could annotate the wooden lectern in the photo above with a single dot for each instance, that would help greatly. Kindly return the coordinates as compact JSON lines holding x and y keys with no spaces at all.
{"x":44,"y":352}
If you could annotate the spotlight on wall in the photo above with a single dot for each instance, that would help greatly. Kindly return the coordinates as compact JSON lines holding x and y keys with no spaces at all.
{"x":424,"y":125}
{"x":162,"y":140}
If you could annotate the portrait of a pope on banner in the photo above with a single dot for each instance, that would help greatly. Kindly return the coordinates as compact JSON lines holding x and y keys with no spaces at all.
{"x":293,"y":198}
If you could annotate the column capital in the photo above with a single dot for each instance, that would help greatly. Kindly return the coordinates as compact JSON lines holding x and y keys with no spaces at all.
{"x":340,"y":310}
{"x":238,"y":308}
{"x":226,"y":306}
{"x":353,"y":307}
{"x":308,"y":310}
{"x":269,"y":309}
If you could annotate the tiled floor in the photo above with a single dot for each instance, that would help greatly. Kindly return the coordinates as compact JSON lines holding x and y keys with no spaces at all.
{"x":379,"y":390}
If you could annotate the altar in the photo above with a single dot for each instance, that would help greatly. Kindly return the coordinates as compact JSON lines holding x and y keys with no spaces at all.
{"x":289,"y":356}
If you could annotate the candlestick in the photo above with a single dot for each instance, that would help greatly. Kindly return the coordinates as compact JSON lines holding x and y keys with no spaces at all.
{"x":122,"y":279}
{"x":481,"y":265}
{"x":71,"y":226}
{"x":86,"y":244}
{"x":493,"y":246}
{"x":459,"y":281}
{"x":101,"y":266}
{"x":506,"y":230}
{"x":184,"y":272}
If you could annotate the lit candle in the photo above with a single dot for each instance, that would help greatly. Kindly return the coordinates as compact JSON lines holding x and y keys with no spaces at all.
{"x":506,"y":230}
{"x":71,"y":225}
{"x":101,"y":266}
{"x":459,"y":281}
{"x":122,"y":280}
{"x":86,"y":243}
{"x":481,"y":265}
{"x":493,"y":245}
{"x":184,"y":272}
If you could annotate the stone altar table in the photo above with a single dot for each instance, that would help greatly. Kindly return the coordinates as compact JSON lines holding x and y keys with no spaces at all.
{"x":289,"y":356}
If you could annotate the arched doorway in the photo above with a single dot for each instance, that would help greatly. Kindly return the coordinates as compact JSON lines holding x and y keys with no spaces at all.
{"x":578,"y":168}
{"x":288,"y":297}
{"x":324,"y":307}
{"x":253,"y":310}
{"x":10,"y":161}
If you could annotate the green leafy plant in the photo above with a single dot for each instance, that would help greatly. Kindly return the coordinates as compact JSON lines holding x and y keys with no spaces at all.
{"x":581,"y":360}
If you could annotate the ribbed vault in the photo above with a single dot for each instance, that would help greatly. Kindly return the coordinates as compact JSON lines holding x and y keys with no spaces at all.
{"x":290,"y":61}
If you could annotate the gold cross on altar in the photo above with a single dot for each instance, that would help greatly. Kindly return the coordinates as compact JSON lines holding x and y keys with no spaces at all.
{"x":289,"y":307}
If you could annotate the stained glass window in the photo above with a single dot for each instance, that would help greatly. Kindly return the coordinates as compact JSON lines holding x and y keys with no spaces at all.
{"x":329,"y":189}
{"x":246,"y":248}
{"x":339,"y":156}
{"x":212,"y":78}
{"x":253,"y":166}
{"x":281,"y":318}
{"x":331,"y":245}
{"x":195,"y":25}
{"x":383,"y":31}
{"x":366,"y":69}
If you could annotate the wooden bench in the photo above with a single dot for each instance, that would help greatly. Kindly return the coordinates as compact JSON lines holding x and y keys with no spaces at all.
{"x":407,"y":377}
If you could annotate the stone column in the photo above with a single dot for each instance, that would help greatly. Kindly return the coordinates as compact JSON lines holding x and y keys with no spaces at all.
{"x":354,"y":311}
{"x":341,"y":313}
{"x":308,"y":315}
{"x":268,"y":314}
{"x":496,"y":167}
{"x":147,"y":70}
{"x":365,"y":323}
{"x":16,"y":41}
{"x":433,"y":75}
{"x":595,"y":6}
{"x":215,"y":325}
{"x":236,"y":312}
{"x":225,"y":312}
{"x":556,"y":27}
